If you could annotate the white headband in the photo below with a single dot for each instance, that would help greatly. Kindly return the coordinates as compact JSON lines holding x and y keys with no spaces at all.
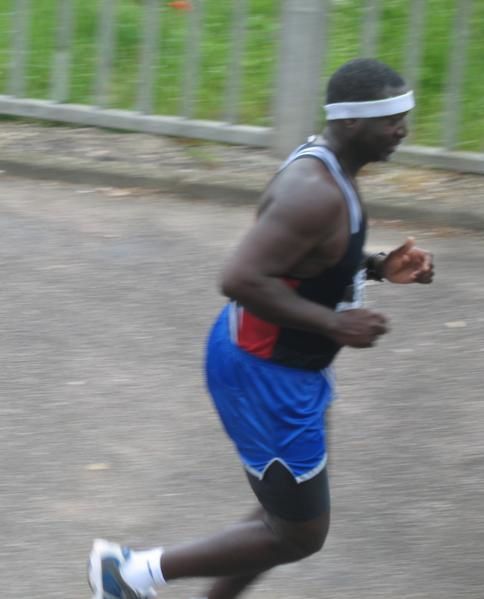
{"x":368,"y":110}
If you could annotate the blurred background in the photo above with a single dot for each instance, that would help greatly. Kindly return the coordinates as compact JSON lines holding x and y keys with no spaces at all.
{"x":108,"y":285}
{"x":235,"y":61}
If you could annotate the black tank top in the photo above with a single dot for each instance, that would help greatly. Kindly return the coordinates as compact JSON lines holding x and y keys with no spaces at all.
{"x":339,"y":287}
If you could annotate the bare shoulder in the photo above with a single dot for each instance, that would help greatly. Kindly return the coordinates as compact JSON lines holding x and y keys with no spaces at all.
{"x":306,"y":193}
{"x":302,"y":212}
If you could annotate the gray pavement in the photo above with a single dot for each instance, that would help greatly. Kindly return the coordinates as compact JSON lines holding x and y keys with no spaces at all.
{"x":229,"y":174}
{"x":106,"y":428}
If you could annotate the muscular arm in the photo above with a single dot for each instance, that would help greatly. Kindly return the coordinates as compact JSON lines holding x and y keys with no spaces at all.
{"x":304,"y":211}
{"x":305,"y":214}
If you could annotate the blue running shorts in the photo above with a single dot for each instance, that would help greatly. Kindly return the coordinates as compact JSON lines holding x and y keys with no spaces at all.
{"x":271,"y":412}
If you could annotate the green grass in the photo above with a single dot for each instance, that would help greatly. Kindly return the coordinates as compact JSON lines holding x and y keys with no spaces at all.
{"x":259,"y":62}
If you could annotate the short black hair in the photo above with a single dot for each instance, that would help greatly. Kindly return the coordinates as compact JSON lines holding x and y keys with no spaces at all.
{"x":360,"y":80}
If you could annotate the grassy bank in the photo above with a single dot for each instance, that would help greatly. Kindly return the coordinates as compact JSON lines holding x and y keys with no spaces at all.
{"x":259,"y":60}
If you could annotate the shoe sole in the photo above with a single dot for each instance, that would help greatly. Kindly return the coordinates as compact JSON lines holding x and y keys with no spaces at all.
{"x":100,"y":550}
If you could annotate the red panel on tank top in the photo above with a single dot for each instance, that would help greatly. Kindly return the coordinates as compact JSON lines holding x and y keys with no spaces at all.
{"x":257,"y":336}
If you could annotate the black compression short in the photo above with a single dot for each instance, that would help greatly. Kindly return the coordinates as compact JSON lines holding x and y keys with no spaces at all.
{"x":281,"y":495}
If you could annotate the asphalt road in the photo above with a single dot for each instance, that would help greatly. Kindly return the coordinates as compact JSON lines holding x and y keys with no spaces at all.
{"x":106,"y":428}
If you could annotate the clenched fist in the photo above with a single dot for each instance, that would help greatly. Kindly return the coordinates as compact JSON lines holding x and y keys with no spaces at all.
{"x":358,"y":328}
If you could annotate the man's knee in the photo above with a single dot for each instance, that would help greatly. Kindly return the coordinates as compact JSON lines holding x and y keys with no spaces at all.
{"x":312,"y":539}
{"x":300,"y":540}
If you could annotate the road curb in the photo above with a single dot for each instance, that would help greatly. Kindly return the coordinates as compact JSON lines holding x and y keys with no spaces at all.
{"x":105,"y":177}
{"x":403,"y":209}
{"x":414,"y":211}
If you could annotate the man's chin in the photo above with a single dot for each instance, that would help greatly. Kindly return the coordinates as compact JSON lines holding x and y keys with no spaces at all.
{"x":383,"y":157}
{"x":387,"y":155}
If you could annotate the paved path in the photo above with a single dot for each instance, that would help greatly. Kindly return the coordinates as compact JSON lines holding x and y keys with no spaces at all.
{"x":106,"y":430}
{"x":229,"y":174}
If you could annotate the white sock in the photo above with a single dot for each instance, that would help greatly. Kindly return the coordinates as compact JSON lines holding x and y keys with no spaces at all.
{"x":143,"y":569}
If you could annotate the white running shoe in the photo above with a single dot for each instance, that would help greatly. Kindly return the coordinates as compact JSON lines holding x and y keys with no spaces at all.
{"x":105,"y":580}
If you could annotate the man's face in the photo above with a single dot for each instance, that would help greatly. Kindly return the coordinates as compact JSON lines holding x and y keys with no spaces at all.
{"x":377,"y":138}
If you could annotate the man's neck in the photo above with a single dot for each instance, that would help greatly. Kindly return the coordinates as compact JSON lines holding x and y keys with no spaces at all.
{"x":343,"y":151}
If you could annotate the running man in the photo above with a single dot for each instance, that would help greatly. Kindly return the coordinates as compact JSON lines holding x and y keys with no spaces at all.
{"x":295,"y":287}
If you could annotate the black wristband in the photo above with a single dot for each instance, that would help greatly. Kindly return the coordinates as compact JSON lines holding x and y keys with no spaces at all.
{"x":373,"y":266}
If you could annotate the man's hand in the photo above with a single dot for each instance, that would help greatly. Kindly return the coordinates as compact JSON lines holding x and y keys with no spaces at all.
{"x":358,"y":328}
{"x":408,"y":264}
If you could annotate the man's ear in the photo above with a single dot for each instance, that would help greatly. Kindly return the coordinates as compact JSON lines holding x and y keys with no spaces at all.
{"x":353,"y":124}
{"x":353,"y":127}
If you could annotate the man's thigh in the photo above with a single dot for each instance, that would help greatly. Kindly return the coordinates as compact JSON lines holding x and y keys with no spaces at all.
{"x":280,"y":494}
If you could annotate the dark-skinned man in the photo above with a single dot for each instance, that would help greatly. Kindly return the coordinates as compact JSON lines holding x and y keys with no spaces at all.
{"x":295,"y":284}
